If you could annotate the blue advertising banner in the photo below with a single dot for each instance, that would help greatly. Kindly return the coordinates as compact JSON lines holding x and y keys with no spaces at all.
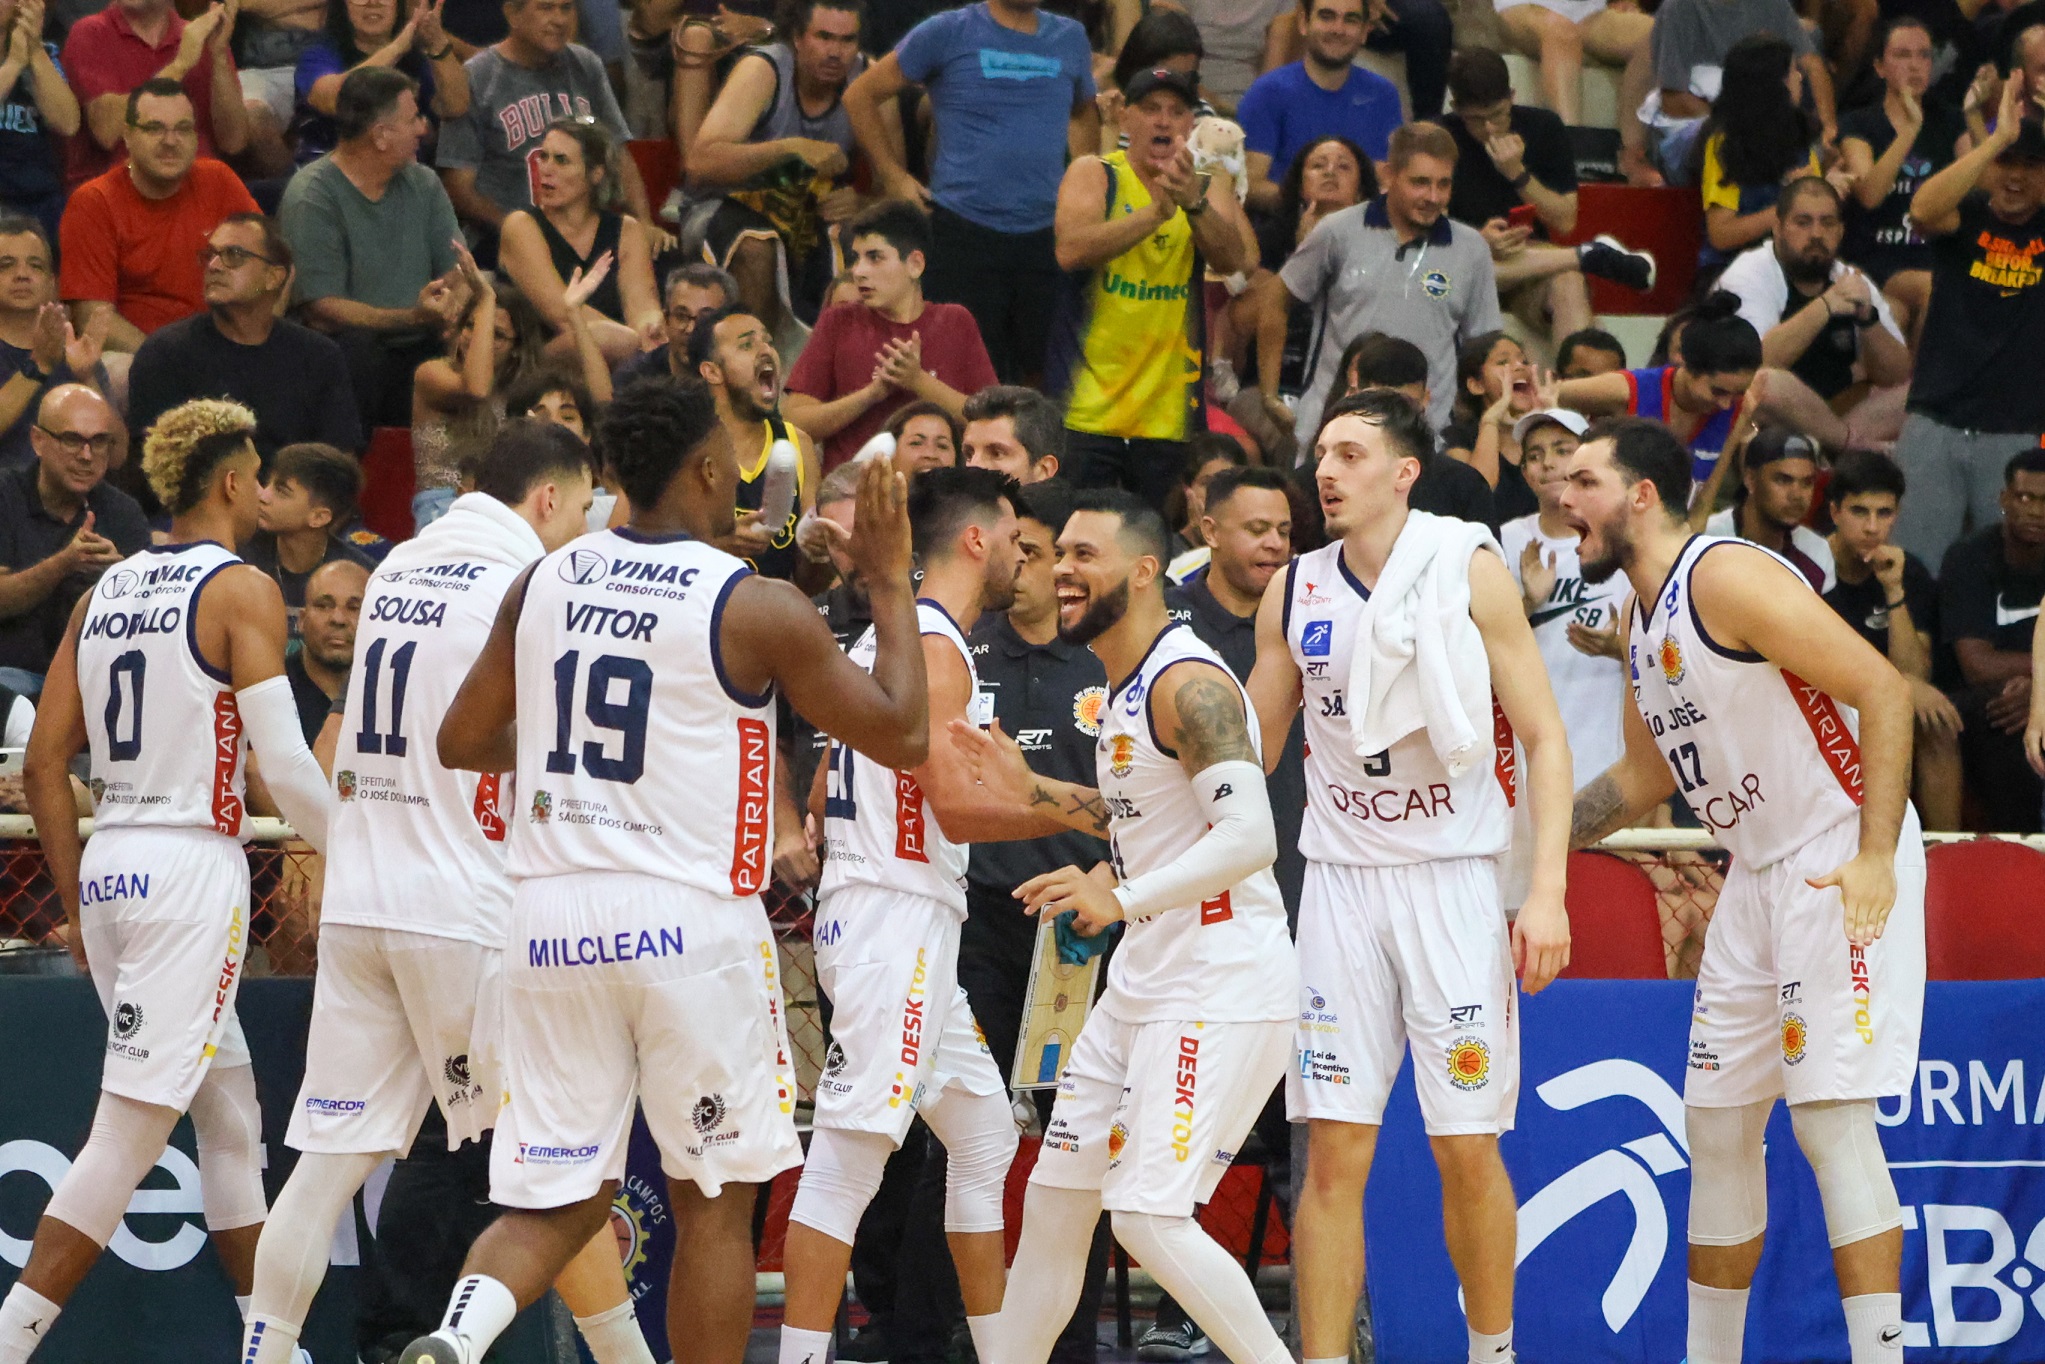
{"x":158,"y":1295}
{"x":1602,"y":1171}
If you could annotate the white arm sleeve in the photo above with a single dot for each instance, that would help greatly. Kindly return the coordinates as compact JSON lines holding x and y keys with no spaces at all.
{"x":289,"y":769}
{"x":1240,"y":841}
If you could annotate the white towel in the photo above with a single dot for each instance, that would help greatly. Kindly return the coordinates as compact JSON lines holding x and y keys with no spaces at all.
{"x":478,"y":526}
{"x":1419,"y":661}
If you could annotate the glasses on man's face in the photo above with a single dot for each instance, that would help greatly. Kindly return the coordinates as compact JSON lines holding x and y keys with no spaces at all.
{"x":180,"y":131}
{"x":233,"y":257}
{"x":75,"y":442}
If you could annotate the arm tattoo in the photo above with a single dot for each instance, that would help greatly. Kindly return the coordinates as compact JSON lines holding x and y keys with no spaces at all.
{"x":1213,"y":726}
{"x":1600,"y":809}
{"x":1092,"y":810}
{"x":1039,"y":796}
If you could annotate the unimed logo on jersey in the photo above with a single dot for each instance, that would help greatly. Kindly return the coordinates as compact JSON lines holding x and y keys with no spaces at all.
{"x":909,"y":819}
{"x":749,"y":859}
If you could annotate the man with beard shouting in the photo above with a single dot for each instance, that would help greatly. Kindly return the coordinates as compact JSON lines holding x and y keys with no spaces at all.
{"x":734,"y":353}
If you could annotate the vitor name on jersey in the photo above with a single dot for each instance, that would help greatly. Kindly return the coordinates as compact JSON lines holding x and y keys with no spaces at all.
{"x":637,"y":577}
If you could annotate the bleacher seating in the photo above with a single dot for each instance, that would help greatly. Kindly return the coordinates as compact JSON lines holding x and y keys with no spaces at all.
{"x":1598,"y":87}
{"x":388,"y":483}
{"x":1614,"y":925}
{"x":1984,"y":911}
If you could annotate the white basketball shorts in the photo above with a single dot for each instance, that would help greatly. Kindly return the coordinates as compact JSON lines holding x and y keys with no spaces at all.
{"x":624,"y":988}
{"x":1413,"y":955}
{"x":901,"y":1029}
{"x":165,"y":914}
{"x":398,"y":1020}
{"x":1786,"y":1006}
{"x":1151,"y":1114}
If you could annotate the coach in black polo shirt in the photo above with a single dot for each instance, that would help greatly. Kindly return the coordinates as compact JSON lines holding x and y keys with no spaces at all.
{"x":61,"y":526}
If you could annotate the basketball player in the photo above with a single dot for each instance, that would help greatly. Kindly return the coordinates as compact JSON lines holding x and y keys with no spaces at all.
{"x":1400,"y":918}
{"x":630,"y":681}
{"x":171,"y":665}
{"x":887,"y":937}
{"x":1195,"y":1027}
{"x":734,"y":353}
{"x":417,"y":897}
{"x":1790,"y":737}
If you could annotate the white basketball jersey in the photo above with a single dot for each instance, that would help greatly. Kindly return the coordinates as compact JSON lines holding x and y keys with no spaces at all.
{"x":415,"y":845}
{"x":1766,"y":760}
{"x":878,"y":829}
{"x":162,"y":724}
{"x":1228,"y":959}
{"x":1396,"y":807}
{"x":1589,"y":689}
{"x":636,"y":752}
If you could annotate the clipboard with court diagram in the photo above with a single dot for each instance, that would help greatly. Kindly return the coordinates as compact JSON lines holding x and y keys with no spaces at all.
{"x":1055,"y":1008}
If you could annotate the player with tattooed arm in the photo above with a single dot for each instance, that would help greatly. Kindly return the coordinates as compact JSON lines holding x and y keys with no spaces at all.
{"x":1195,"y":1027}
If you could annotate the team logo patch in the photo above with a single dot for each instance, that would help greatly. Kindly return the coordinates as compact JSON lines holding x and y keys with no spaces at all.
{"x":127,"y":1019}
{"x":344,"y":784}
{"x":1118,"y":1137}
{"x":99,"y":788}
{"x":456,"y":1071}
{"x":708,"y":1114}
{"x":1086,"y":710}
{"x":582,"y":567}
{"x":834,"y":1062}
{"x":1316,"y":1000}
{"x":1436,"y":283}
{"x":1670,"y":656}
{"x":1469,"y":1063}
{"x":1795,"y":1039}
{"x":1122,"y":754}
{"x":543,"y":806}
{"x":1317,"y":638}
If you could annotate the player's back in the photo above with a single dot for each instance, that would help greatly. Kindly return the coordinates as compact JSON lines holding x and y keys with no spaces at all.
{"x":1399,"y":806}
{"x":1766,"y":760}
{"x":414,"y":845}
{"x":878,"y":827}
{"x":636,"y":751}
{"x":161,"y":722}
{"x":1229,"y":959}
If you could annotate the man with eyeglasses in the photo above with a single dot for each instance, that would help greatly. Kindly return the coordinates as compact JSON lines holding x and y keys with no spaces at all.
{"x":61,"y":525}
{"x":111,"y":54}
{"x":131,"y":237}
{"x":693,"y":292}
{"x":239,"y":348}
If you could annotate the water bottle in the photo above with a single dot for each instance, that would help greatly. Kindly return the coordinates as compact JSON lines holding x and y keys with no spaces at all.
{"x":777,"y":494}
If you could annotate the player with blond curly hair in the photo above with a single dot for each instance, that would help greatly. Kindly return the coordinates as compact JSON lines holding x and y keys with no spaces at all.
{"x":172,"y":669}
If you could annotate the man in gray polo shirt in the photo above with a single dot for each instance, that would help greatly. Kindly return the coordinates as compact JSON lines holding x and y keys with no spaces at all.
{"x":1398,"y":265}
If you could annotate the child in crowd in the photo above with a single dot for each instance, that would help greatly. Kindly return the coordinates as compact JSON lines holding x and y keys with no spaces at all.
{"x":307,"y":505}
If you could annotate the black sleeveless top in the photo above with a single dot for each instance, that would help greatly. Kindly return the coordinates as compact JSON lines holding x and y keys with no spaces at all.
{"x":606,"y":299}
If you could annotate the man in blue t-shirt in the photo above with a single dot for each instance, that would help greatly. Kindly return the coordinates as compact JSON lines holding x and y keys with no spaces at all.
{"x":1012,"y":95}
{"x":1325,"y":94}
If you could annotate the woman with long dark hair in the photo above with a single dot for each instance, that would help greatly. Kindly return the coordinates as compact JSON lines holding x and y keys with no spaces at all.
{"x":1495,"y":387}
{"x":1757,"y":139}
{"x":395,"y":33}
{"x":575,"y":221}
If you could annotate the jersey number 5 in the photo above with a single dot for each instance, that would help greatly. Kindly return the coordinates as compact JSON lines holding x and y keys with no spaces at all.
{"x":627,"y":716}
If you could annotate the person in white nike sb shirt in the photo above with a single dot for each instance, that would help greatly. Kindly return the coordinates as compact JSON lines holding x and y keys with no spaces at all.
{"x":1989,"y":588}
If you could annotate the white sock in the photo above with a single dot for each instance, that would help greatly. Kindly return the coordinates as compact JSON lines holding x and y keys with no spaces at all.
{"x":984,"y":1336}
{"x":1874,"y":1328}
{"x":1718,"y":1324}
{"x":25,"y":1318}
{"x":268,"y":1340}
{"x":804,"y":1347}
{"x":614,"y":1337}
{"x":241,"y":1305}
{"x":1491,"y":1349}
{"x":1331,"y":1359}
{"x":478,"y":1313}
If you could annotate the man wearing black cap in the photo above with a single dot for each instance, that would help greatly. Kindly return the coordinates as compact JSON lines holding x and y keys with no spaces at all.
{"x":1134,"y":229}
{"x":1974,"y":401}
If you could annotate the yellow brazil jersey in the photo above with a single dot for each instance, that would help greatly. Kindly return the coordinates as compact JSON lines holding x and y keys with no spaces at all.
{"x":1135,"y":359}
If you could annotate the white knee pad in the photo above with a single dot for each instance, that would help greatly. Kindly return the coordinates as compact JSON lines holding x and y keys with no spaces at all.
{"x":227,"y":1126}
{"x":1845,"y":1150}
{"x":1728,"y":1176}
{"x":839,"y":1179}
{"x":127,"y":1137}
{"x":979,"y":1136}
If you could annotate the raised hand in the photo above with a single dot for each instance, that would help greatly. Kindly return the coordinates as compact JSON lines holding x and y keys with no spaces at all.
{"x":82,"y":352}
{"x":580,"y":286}
{"x":472,"y":273}
{"x":1537,"y":574}
{"x":427,"y":33}
{"x":52,"y":333}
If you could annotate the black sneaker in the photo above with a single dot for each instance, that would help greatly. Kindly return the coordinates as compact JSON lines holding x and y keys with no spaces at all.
{"x":867,"y":1346}
{"x":1608,"y":258}
{"x":1172,"y":1344}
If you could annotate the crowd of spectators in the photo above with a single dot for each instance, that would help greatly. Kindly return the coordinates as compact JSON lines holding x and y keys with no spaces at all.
{"x":1140,"y":243}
